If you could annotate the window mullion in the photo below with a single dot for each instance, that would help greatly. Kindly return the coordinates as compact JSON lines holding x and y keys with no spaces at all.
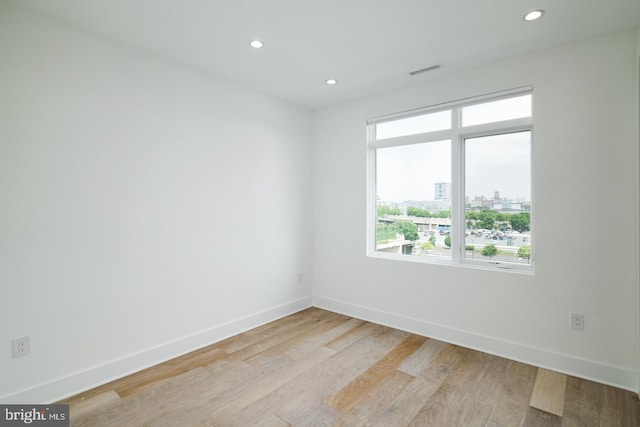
{"x":371,"y":192}
{"x":411,"y":139}
{"x":457,"y":188}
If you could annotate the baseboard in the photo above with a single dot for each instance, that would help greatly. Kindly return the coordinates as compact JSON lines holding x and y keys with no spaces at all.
{"x":586,"y":369}
{"x":61,"y":388}
{"x":73,"y":384}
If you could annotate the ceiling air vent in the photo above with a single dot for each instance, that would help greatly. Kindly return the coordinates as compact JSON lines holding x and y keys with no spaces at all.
{"x":426,"y":69}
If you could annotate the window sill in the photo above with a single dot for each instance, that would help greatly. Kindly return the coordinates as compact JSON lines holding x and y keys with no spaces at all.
{"x":475,"y":265}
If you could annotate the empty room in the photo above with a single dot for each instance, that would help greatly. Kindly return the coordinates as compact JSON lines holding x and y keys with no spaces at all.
{"x":319,"y":213}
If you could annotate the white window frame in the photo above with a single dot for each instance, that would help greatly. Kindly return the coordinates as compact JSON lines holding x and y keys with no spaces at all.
{"x":457,"y":135}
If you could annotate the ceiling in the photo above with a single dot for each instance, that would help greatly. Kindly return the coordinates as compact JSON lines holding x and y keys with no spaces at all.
{"x":369,"y":46}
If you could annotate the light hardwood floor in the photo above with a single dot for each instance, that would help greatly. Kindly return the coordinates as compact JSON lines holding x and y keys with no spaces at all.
{"x":317,"y":368}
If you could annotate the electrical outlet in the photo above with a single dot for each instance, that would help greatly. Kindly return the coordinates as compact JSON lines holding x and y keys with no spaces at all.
{"x":577,"y":321}
{"x":21,"y":347}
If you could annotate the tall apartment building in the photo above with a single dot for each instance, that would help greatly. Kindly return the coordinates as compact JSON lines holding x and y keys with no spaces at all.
{"x":442,"y":190}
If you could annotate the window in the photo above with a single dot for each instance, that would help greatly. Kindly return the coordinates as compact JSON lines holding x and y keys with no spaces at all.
{"x":452,"y":184}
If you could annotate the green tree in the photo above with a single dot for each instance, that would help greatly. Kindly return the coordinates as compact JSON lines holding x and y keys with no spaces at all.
{"x":473,"y":215}
{"x":488,"y":219}
{"x":408,"y":229}
{"x":413,"y":211}
{"x":489,"y":251}
{"x":427,"y":245}
{"x":524,"y":252}
{"x":445,"y":214}
{"x":520,"y":221}
{"x":385,"y":233}
{"x":447,"y":241}
{"x":387,"y":210}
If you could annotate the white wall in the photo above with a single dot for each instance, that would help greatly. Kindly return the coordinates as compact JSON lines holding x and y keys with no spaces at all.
{"x":146,"y":208}
{"x":638,"y":181}
{"x":585,"y":212}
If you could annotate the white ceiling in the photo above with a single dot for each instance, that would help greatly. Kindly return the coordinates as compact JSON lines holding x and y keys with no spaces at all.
{"x":369,"y":46}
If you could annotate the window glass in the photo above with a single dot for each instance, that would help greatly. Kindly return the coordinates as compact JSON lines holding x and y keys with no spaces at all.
{"x":449,"y":191}
{"x":494,"y":111}
{"x":413,"y":184}
{"x":498,"y":197}
{"x":431,"y":122}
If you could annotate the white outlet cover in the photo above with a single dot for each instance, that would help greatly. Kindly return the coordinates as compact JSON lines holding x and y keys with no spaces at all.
{"x":577,"y":321}
{"x":21,"y":347}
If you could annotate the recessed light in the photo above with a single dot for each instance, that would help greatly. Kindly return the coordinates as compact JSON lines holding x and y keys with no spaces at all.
{"x":257,"y":44}
{"x":533,"y":15}
{"x":331,"y":81}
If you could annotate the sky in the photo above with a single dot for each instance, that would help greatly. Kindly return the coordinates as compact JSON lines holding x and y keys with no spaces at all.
{"x":499,"y":163}
{"x":409,"y":172}
{"x":494,"y":163}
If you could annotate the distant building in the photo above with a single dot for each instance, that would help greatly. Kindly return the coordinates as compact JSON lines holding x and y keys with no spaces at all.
{"x":500,"y":204}
{"x":433,"y":206}
{"x":480,"y":202}
{"x":508,"y":207}
{"x":442,"y":190}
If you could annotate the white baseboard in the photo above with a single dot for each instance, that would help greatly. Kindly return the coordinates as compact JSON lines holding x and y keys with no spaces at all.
{"x":587,"y":369}
{"x":61,"y":388}
{"x":73,"y":384}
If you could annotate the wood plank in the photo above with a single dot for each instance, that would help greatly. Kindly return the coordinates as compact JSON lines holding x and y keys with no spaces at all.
{"x":614,"y":397}
{"x":414,"y":397}
{"x":132,"y":383}
{"x":264,"y":382}
{"x":632,"y":410}
{"x":169,"y":398}
{"x":582,"y":403}
{"x":306,"y":343}
{"x":513,"y":398}
{"x":519,"y":382}
{"x":440,"y":409}
{"x":303,"y":349}
{"x":266,"y":420}
{"x":270,"y":420}
{"x":245,"y":339}
{"x":617,"y":407}
{"x":321,"y":416}
{"x":422,"y":358}
{"x":508,"y":413}
{"x":92,"y":404}
{"x":276,"y":326}
{"x":376,"y":401}
{"x":301,"y":396}
{"x":610,"y":417}
{"x":265,"y":344}
{"x":548,"y":392}
{"x":584,"y":390}
{"x":187,"y":399}
{"x":444,"y":407}
{"x":353,"y":335}
{"x":351,"y":394}
{"x":478,"y":406}
{"x":537,"y":418}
